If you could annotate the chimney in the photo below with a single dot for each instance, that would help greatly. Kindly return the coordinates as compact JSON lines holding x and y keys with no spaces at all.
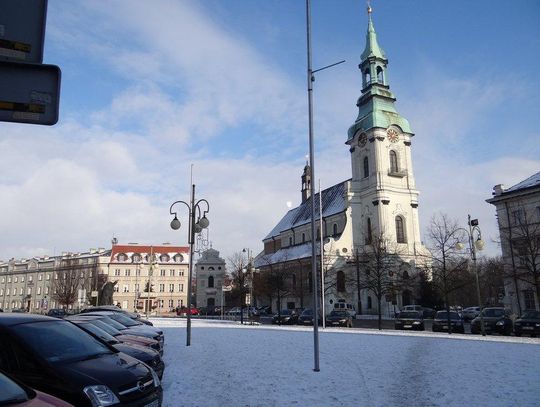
{"x":498,"y":189}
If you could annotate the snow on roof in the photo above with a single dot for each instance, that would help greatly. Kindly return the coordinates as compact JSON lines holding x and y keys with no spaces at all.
{"x":533,"y":180}
{"x":333,"y":202}
{"x":290,"y":253}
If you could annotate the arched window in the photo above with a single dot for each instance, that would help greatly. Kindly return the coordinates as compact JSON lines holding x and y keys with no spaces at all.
{"x":334,"y":229}
{"x":290,"y":241}
{"x":366,"y":167}
{"x":394,"y":167}
{"x":400,"y":230}
{"x":405,"y":275}
{"x":369,"y":303}
{"x":367,"y":77}
{"x":369,"y":235}
{"x":211,"y":282}
{"x":164,"y":258}
{"x":178,"y":258}
{"x":380,"y":75}
{"x":340,"y":281}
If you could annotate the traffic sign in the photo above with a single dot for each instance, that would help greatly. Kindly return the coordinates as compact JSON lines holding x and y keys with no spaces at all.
{"x":29,"y":93}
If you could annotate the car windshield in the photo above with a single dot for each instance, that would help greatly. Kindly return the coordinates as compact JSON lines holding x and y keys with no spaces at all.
{"x":531,"y":315}
{"x":127,"y":321}
{"x":444,"y":315}
{"x":60,"y":341}
{"x":100,"y":333}
{"x":10,"y":392}
{"x":339,"y":314}
{"x":493,"y":312}
{"x":107,"y":328}
{"x":409,"y":314}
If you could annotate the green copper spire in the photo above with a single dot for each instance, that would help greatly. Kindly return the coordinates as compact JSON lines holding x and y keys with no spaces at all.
{"x":372,"y":46}
{"x":376,"y":104}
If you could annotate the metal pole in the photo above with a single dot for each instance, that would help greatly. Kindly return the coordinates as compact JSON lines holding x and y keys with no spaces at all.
{"x":357,"y":264}
{"x":312,"y":165}
{"x":473,"y":254}
{"x":191,"y":241}
{"x":322,"y":260}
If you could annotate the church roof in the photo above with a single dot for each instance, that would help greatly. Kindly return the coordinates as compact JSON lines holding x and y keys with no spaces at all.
{"x":333,"y":202}
{"x":532,"y":181}
{"x":285,"y":254}
{"x":372,"y":46}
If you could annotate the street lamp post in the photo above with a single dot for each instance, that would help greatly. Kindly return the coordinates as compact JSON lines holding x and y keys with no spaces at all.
{"x":194,"y":210}
{"x":474,"y":245}
{"x":250,"y":273}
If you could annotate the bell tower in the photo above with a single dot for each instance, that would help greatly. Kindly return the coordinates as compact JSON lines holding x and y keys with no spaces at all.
{"x":383,"y":195}
{"x":306,"y":183}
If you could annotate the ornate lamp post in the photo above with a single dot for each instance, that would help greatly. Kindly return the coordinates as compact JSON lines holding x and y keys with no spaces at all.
{"x":194,"y":210}
{"x":474,"y":245}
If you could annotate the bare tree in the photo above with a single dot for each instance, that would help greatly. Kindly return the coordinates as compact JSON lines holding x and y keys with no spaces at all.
{"x":449,"y":267}
{"x":275,"y":280}
{"x":66,"y":283}
{"x":380,"y":260}
{"x":522,"y":237}
{"x":237,"y":266}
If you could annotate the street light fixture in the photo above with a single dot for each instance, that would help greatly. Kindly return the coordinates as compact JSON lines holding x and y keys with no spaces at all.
{"x":250,"y":272}
{"x":194,"y":210}
{"x":474,"y":245}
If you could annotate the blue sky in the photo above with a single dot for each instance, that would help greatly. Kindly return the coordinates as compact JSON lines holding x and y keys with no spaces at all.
{"x":149,"y":88}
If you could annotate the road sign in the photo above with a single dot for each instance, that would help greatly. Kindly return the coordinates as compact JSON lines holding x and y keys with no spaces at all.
{"x":22,"y":30}
{"x":94,"y":294}
{"x":29,"y":93}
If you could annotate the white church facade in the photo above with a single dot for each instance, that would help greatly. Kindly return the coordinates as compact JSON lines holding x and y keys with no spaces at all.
{"x":379,"y":202}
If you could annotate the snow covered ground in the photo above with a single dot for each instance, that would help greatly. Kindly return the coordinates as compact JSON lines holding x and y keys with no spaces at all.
{"x":229,"y":364}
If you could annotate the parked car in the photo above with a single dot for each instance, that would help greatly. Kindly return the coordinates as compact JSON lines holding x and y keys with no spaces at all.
{"x":528,"y":323}
{"x":59,"y":312}
{"x":470,"y":313}
{"x":265,"y":310}
{"x":496,"y":319}
{"x":122,"y":336}
{"x":339,"y":318}
{"x":440,"y":322}
{"x":344,"y":306}
{"x":54,"y":356}
{"x":15,"y":393}
{"x":184,"y":310}
{"x":410,"y":320}
{"x":113,"y":308}
{"x":306,"y":317}
{"x":428,"y":313}
{"x":147,"y":355}
{"x":285,"y":317}
{"x":418,"y":308}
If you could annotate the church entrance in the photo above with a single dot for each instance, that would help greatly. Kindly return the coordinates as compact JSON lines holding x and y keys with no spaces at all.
{"x":210,"y":303}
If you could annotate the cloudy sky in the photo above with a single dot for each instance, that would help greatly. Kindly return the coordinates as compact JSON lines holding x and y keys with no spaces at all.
{"x":151,"y":87}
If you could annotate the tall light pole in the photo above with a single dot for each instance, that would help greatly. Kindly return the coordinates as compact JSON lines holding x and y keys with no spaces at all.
{"x":194,"y":210}
{"x":474,"y":245}
{"x":250,"y":272}
{"x":310,"y":80}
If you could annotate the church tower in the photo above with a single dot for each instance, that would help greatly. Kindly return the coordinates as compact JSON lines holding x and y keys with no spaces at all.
{"x":306,"y":183}
{"x":383,"y":196}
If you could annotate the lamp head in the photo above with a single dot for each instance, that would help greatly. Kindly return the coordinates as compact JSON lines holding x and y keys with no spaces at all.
{"x":204,"y":222}
{"x":460,"y":246}
{"x":479,"y":244}
{"x":197,"y":228}
{"x":175,"y":223}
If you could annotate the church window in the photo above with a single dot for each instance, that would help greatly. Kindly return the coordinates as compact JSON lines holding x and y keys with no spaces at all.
{"x":400,"y":230}
{"x":367,"y":77}
{"x":211,"y":282}
{"x":393,"y":162}
{"x":369,"y":235}
{"x":290,"y":240}
{"x":340,"y":281}
{"x":380,"y":75}
{"x":334,"y":229}
{"x":366,"y":167}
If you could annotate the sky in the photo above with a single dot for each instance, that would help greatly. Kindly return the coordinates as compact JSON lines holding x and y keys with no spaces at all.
{"x":154,"y":93}
{"x":273,"y":366}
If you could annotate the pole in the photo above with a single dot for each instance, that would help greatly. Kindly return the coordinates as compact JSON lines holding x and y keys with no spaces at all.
{"x":322,"y":260}
{"x":312,"y":165}
{"x":191,"y":241}
{"x":357,"y":263}
{"x":473,"y":255}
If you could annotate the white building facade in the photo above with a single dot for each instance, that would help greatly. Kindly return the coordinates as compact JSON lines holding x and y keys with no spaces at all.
{"x":210,"y":272}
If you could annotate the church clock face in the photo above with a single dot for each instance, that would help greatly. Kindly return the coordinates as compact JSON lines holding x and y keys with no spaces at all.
{"x":362,"y":140}
{"x":392,"y":135}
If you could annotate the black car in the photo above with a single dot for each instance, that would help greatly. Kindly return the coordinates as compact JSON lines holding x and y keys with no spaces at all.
{"x":58,"y":313}
{"x":136,"y":331}
{"x":113,"y":308}
{"x":56,"y":357}
{"x":147,"y":355}
{"x":496,"y":320}
{"x":410,"y":320}
{"x":306,"y":317}
{"x":339,"y":318}
{"x":440,"y":322}
{"x":528,"y":323}
{"x":285,"y":317}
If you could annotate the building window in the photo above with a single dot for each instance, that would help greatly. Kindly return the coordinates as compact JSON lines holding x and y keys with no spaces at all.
{"x":16,"y":280}
{"x":290,"y":240}
{"x":162,"y":288}
{"x":162,"y":273}
{"x":122,"y":257}
{"x":380,"y":75}
{"x":178,"y":258}
{"x":138,"y":272}
{"x":369,"y":302}
{"x":39,"y":291}
{"x":181,"y":288}
{"x":172,"y":273}
{"x":171,"y":288}
{"x":369,"y":235}
{"x":128,"y":272}
{"x":517,"y":217}
{"x":367,"y":77}
{"x":528,"y":297}
{"x":48,"y":276}
{"x":340,"y":281}
{"x":366,"y":167}
{"x":164,"y":258}
{"x":394,"y":167}
{"x":211,"y":282}
{"x":116,"y":289}
{"x":40,"y":277}
{"x":117,"y":272}
{"x":334,"y":229}
{"x":126,"y":288}
{"x":171,"y":303}
{"x":137,"y":287}
{"x":46,"y":290}
{"x":400,"y":230}
{"x":181,"y":273}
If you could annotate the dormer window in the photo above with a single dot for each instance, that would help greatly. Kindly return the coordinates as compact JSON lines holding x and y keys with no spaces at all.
{"x":122,"y":257}
{"x":178,"y":258}
{"x":164,"y":258}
